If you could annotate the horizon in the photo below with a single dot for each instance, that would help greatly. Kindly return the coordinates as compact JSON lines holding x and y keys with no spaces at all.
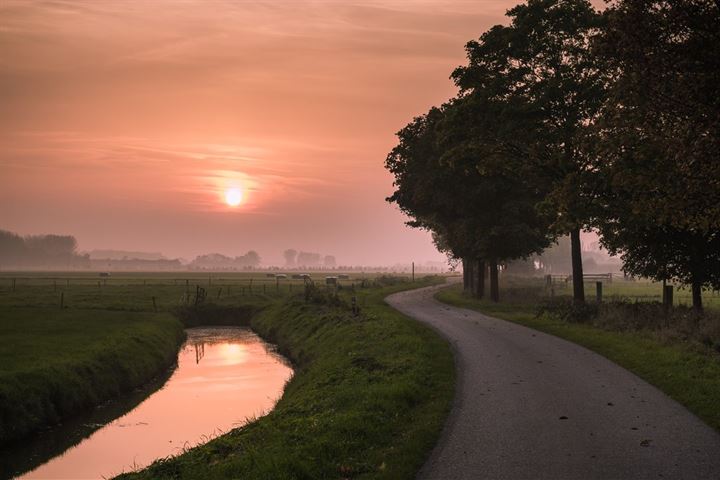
{"x":127,"y":127}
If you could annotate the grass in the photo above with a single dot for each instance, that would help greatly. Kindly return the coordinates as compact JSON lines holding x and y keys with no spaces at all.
{"x":683,"y":369}
{"x":368,"y":398}
{"x":55,"y":363}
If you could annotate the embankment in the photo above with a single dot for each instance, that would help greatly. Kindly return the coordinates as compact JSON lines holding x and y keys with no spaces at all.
{"x":57,"y":363}
{"x":368,"y":399}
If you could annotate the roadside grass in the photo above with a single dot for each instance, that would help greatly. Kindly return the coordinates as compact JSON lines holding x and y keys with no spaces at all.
{"x":55,"y":363}
{"x":682,"y":368}
{"x":368,"y":398}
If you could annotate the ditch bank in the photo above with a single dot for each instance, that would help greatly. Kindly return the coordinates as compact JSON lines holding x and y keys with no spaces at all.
{"x":368,"y":399}
{"x":55,"y":364}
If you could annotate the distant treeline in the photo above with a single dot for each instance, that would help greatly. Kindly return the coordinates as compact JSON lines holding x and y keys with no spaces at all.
{"x":301,"y":259}
{"x":569,"y":119}
{"x":40,"y":251}
{"x":217,"y":261}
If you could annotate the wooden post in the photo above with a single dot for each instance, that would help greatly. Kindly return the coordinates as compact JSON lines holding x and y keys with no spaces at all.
{"x":67,"y":282}
{"x":277,"y":284}
{"x":598,"y":291}
{"x":62,"y":300}
{"x":154,"y":305}
{"x":219,"y":293}
{"x":251,"y":285}
{"x":668,"y":296}
{"x":494,"y":282}
{"x":548,"y":281}
{"x":413,"y":271}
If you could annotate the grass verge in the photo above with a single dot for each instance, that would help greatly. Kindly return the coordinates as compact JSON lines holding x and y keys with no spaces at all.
{"x":368,"y":398}
{"x":688,"y":374}
{"x":56,"y":363}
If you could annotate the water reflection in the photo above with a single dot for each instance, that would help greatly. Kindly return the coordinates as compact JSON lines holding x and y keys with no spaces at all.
{"x":224,"y":376}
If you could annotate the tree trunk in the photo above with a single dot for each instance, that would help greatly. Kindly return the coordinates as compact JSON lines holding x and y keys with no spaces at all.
{"x":577,"y":268}
{"x":466,"y":282}
{"x":471,"y":276}
{"x":697,"y":295}
{"x":480,"y":279}
{"x":494,"y":286}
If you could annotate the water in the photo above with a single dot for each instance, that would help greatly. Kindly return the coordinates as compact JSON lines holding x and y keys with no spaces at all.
{"x":224,"y":376}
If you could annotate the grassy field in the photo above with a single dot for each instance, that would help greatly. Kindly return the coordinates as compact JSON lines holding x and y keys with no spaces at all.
{"x":637,"y":290}
{"x":368,"y":399}
{"x":685,"y":369}
{"x":134,"y":291}
{"x":55,"y":363}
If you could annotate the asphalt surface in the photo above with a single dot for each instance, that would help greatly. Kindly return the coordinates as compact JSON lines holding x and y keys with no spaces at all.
{"x":532,"y":406}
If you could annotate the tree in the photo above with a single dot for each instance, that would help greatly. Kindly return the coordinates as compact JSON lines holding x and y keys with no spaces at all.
{"x":250,"y":259}
{"x":308,"y":259}
{"x":662,"y":119}
{"x":475,"y":202}
{"x":329,"y":261}
{"x":290,"y":255}
{"x":659,"y":138}
{"x":543,"y":61}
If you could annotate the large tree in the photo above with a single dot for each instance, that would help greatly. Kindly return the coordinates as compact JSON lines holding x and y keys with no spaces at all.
{"x":658,"y":165}
{"x":542,"y":60}
{"x":452,"y":179}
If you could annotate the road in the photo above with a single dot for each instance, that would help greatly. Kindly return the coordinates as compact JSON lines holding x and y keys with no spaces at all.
{"x":532,"y":406}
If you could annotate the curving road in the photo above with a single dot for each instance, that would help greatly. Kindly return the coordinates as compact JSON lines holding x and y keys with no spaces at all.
{"x":532,"y":406}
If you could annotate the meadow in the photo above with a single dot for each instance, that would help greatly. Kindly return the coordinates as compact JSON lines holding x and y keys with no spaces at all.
{"x":371,"y":387}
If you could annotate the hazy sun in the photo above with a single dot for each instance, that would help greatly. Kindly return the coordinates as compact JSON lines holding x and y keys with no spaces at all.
{"x":233,"y":196}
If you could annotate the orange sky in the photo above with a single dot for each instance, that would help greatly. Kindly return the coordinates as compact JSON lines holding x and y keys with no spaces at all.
{"x":123,"y":121}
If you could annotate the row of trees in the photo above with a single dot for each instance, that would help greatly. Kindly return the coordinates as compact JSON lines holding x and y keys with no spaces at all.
{"x":218,"y":261}
{"x":293,"y":259}
{"x":39,"y":251}
{"x":570,"y":119}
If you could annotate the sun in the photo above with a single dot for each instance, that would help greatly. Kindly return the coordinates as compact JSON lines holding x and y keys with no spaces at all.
{"x":233,"y":196}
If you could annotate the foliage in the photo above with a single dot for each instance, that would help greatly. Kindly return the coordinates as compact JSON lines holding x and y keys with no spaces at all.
{"x":658,"y":141}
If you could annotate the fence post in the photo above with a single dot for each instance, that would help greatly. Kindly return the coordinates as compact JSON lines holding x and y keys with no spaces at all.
{"x":668,"y":296}
{"x":598,"y":291}
{"x":62,"y":300}
{"x":154,"y":305}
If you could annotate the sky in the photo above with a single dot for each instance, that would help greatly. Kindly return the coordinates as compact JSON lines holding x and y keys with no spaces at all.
{"x":124,"y":122}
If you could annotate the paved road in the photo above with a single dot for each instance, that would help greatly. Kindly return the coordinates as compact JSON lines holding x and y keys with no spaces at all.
{"x":532,"y":406}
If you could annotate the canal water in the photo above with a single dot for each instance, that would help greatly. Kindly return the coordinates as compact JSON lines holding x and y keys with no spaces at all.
{"x":224,"y":376}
